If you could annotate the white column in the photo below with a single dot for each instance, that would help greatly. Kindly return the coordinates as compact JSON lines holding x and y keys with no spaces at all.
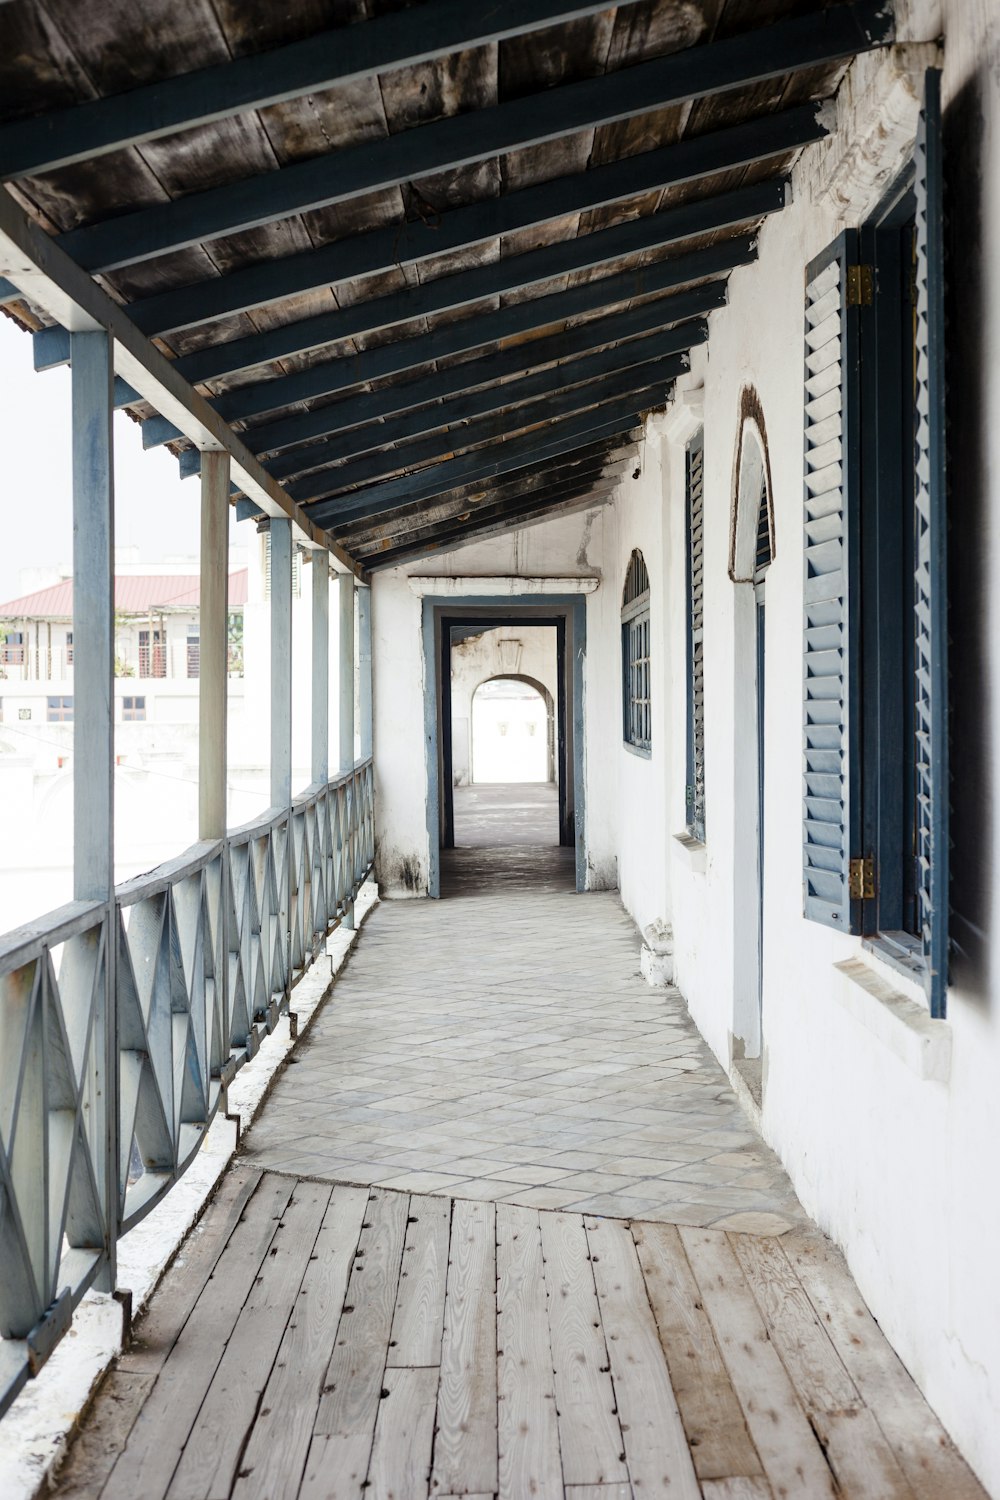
{"x":281,"y":663}
{"x":345,"y":673}
{"x":94,"y":718}
{"x":320,"y":667}
{"x":213,"y":645}
{"x":365,"y":669}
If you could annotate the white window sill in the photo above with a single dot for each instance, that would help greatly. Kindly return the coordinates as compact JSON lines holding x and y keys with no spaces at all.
{"x":641,"y":752}
{"x":691,"y":852}
{"x":902,"y":1025}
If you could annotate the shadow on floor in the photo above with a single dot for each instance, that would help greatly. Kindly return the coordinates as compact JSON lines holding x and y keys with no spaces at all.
{"x":507,"y":838}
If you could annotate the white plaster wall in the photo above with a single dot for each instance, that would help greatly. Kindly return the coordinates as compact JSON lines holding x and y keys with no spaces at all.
{"x":899,"y":1169}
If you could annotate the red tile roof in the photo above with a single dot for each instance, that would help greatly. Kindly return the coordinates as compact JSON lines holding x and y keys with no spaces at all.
{"x":135,"y":594}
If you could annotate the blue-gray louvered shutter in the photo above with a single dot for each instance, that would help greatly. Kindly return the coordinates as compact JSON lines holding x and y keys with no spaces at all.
{"x":695,"y":792}
{"x":930,"y":601}
{"x":831,"y":804}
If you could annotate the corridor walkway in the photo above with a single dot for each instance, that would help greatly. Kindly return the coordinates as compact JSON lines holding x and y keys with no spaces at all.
{"x":503,"y":1230}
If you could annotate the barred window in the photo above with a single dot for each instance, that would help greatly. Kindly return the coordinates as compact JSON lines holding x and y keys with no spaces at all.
{"x":637,"y":725}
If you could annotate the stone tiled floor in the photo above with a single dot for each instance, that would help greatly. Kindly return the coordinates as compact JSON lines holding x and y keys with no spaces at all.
{"x":501,"y":1045}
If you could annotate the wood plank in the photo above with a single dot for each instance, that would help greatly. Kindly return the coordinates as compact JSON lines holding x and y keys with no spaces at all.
{"x":276,"y":1453}
{"x":589,"y":1430}
{"x":404,"y":1436}
{"x":103,"y":1434}
{"x":855,"y":1449}
{"x":337,"y":1464}
{"x":925,"y":1453}
{"x":465,"y":1450}
{"x":157,"y":1439}
{"x":737,"y":1489}
{"x":656,"y":1449}
{"x":211,"y":1456}
{"x":418,"y":1321}
{"x":621,"y":1491}
{"x":792,"y":1458}
{"x":527,"y":1434}
{"x":713,"y":1420}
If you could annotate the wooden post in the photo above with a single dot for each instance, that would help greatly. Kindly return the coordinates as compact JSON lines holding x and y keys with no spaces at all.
{"x":321,"y":668}
{"x":345,"y":673}
{"x":213,"y":645}
{"x":365,"y":670}
{"x":94,"y":720}
{"x":281,"y":663}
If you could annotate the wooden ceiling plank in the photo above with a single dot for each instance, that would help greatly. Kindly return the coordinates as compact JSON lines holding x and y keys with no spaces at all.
{"x":517,"y":453}
{"x":487,"y":528}
{"x":651,"y":381}
{"x":489,"y":400}
{"x":509,"y":364}
{"x":449,"y":144}
{"x":386,"y":248}
{"x":312,"y":64}
{"x":451,"y":292}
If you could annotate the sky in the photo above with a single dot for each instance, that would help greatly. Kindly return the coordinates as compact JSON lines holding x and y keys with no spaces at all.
{"x":154,"y":509}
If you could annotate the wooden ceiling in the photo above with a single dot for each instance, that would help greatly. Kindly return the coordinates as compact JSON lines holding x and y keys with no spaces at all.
{"x":432,"y":262}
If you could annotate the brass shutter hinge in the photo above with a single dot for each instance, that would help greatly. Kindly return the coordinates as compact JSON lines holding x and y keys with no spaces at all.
{"x":860,"y":286}
{"x":861,"y":879}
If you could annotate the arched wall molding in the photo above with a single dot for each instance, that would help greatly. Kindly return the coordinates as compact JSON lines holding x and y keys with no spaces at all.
{"x":753,"y":464}
{"x":531,"y":682}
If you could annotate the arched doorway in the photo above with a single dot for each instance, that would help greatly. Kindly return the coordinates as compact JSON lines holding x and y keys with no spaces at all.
{"x":513,"y":731}
{"x":750,"y":556}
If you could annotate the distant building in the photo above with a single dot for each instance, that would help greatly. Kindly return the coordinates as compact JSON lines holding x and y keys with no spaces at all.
{"x":157,"y":651}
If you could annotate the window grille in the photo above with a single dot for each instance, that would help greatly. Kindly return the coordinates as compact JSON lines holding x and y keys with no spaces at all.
{"x":637,"y":726}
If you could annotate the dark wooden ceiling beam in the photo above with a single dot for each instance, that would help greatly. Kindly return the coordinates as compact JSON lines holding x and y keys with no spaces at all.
{"x":365,"y":536}
{"x":346,"y":53}
{"x":649,"y":381}
{"x":385,"y":249}
{"x":470,"y":378}
{"x":447,"y":145}
{"x":488,"y":401}
{"x":513,"y":273}
{"x":480,"y":529}
{"x":453,"y":338}
{"x":617,"y":418}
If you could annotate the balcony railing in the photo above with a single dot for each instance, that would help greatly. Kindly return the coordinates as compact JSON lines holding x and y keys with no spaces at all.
{"x":122,"y":1026}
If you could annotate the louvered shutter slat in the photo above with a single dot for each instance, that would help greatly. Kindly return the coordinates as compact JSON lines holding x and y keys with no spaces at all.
{"x":930,"y":603}
{"x":696,"y":641}
{"x":830,"y":498}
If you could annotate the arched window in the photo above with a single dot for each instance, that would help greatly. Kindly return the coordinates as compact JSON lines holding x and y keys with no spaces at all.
{"x":637,"y":724}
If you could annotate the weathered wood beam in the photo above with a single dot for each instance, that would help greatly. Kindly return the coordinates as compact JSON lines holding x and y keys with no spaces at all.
{"x":652,"y":379}
{"x":497,"y":402}
{"x":482,"y":528}
{"x":508,"y":323}
{"x":513,"y":273}
{"x":384,"y":44}
{"x":604,"y":453}
{"x":617,"y":418}
{"x":457,"y":229}
{"x":361,"y":422}
{"x":46,"y":275}
{"x":368,"y":537}
{"x":450,"y":144}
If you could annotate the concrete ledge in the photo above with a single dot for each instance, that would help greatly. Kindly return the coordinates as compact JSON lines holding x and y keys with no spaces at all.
{"x":497,"y":586}
{"x":691,"y":852}
{"x":902,"y":1026}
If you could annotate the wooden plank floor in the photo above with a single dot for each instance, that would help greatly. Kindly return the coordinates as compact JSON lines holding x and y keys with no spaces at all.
{"x":334,"y":1342}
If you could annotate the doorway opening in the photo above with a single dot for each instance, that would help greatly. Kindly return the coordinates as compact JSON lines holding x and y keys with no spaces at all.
{"x":505,"y":745}
{"x":751,"y":554}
